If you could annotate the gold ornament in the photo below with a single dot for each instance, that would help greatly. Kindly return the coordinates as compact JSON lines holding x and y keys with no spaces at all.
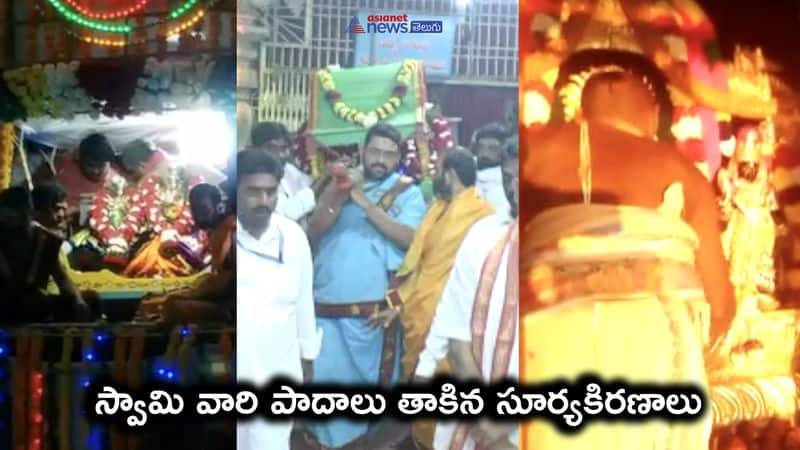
{"x":747,"y":76}
{"x":609,"y":29}
{"x":572,"y":91}
{"x":6,"y":154}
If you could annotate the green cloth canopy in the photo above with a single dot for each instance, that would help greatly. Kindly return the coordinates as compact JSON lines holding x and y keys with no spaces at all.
{"x":365,"y":88}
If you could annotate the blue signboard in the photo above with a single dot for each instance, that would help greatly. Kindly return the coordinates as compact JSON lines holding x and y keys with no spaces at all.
{"x":388,"y":37}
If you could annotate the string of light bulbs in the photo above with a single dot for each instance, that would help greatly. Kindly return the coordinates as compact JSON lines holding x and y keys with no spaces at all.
{"x":104,"y":42}
{"x":116,"y":42}
{"x":80,"y":15}
{"x":118,"y":14}
{"x":183,"y":9}
{"x":187,"y":24}
{"x":77,"y":18}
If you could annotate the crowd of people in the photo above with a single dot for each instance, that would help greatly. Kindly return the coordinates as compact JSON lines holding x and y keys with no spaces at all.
{"x":130,"y":212}
{"x":355,"y":278}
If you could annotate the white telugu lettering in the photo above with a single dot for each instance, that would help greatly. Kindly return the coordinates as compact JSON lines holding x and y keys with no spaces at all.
{"x":336,"y":402}
{"x":575,"y":417}
{"x":140,"y":407}
{"x":504,"y":407}
{"x":298,"y":401}
{"x":223,"y":402}
{"x":472,"y":403}
{"x":242,"y":400}
{"x":593,"y":402}
{"x":102,"y":406}
{"x":358,"y":399}
{"x":156,"y":408}
{"x":687,"y":409}
{"x":560,"y":397}
{"x":448,"y":401}
{"x":620,"y":398}
{"x":418,"y":402}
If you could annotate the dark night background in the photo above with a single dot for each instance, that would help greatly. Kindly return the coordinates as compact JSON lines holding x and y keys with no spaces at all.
{"x":774,"y":25}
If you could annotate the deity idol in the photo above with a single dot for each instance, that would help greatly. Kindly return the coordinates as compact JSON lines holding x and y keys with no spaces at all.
{"x":174,"y":247}
{"x":747,"y":204}
{"x":114,"y":215}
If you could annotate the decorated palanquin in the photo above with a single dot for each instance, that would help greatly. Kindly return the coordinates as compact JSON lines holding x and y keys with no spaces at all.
{"x":145,"y":233}
{"x":346,"y":102}
{"x":753,"y":376}
{"x":58,"y":57}
{"x":153,"y":215}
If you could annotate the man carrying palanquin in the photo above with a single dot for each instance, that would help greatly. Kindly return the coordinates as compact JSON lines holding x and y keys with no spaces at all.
{"x":360,"y":231}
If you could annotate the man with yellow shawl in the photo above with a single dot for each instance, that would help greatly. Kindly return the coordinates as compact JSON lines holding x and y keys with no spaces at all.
{"x":418,"y":284}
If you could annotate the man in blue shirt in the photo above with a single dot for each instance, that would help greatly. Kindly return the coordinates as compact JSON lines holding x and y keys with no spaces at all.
{"x":360,"y":232}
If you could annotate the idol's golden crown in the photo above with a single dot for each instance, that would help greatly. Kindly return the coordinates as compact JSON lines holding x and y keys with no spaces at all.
{"x":747,"y":75}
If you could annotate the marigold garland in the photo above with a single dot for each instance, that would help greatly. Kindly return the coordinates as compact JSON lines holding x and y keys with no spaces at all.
{"x":369,"y":118}
{"x":6,"y":154}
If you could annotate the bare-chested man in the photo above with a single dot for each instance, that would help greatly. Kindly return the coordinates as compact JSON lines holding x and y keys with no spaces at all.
{"x":29,"y":260}
{"x":622,"y":233}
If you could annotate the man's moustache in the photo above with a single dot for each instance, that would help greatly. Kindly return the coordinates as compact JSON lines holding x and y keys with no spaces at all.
{"x":382,"y":166}
{"x":485,"y":163}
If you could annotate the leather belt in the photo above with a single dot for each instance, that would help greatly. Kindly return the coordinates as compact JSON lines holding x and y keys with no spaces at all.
{"x":363,"y":309}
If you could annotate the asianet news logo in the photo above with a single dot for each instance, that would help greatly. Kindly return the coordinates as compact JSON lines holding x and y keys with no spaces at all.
{"x":393,"y":24}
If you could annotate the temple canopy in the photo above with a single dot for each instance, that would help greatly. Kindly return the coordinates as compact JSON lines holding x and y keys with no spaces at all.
{"x":198,"y":139}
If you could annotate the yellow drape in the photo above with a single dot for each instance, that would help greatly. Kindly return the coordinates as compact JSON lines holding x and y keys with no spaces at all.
{"x":425,"y":271}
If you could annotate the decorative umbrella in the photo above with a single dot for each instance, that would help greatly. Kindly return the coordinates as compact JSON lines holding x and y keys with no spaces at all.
{"x":657,"y":31}
{"x":593,"y":23}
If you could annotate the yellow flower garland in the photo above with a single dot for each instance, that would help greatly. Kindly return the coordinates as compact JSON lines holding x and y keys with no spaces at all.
{"x":369,"y":118}
{"x":6,"y":153}
{"x":29,"y":85}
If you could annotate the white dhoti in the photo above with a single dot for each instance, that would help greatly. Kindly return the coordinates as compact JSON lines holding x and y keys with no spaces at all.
{"x":275,"y":321}
{"x":479,"y":305}
{"x":616,"y":295}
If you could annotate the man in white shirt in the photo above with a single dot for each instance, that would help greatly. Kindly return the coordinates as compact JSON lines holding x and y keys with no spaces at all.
{"x":277,"y":333}
{"x":478,"y":345}
{"x":295,"y":195}
{"x":487,"y":146}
